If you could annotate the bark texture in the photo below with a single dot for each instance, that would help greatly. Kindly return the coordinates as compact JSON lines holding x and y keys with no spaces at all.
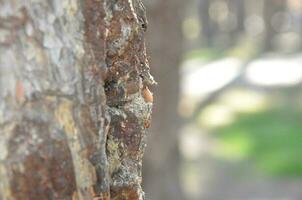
{"x":74,"y":99}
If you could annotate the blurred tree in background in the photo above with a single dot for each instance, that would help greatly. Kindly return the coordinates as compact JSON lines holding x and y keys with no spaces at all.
{"x":165,"y":45}
{"x":223,"y":23}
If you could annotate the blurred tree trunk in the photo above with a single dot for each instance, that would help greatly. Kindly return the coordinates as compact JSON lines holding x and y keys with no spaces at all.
{"x":74,"y":99}
{"x":206,"y":23}
{"x":240,"y":14}
{"x":161,"y":169}
{"x":271,"y":7}
{"x":238,"y":7}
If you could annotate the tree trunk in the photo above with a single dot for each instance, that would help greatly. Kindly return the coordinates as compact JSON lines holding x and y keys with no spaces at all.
{"x":74,"y":99}
{"x":208,"y":31}
{"x":271,"y":7}
{"x":161,"y":172}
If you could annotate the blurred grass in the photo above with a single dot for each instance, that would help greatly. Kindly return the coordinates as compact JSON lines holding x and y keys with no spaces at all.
{"x":204,"y":54}
{"x":244,"y":49}
{"x":272,"y":139}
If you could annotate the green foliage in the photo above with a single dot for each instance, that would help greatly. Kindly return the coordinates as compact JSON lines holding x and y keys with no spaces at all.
{"x":272,"y":139}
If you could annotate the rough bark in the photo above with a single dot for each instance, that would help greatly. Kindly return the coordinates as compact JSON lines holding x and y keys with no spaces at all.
{"x":75,"y":103}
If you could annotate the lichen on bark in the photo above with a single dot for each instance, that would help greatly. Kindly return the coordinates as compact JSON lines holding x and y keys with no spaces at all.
{"x":73,"y":109}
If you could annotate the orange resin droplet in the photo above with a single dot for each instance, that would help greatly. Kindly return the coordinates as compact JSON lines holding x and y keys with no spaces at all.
{"x":147,"y":94}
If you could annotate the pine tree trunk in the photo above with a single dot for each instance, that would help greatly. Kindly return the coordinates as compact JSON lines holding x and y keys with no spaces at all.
{"x":161,"y":169}
{"x":74,"y":99}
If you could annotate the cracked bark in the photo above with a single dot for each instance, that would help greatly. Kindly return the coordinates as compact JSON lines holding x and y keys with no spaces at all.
{"x":75,"y":103}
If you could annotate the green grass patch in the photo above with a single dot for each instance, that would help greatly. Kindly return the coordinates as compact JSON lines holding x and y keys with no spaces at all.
{"x":271,"y":139}
{"x":204,"y":54}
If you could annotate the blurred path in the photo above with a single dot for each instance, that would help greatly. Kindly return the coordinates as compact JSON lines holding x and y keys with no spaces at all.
{"x":214,"y":179}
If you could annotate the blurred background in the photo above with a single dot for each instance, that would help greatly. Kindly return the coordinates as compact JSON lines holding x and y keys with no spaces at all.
{"x":227,"y":121}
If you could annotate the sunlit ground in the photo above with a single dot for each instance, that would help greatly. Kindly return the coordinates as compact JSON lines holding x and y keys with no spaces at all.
{"x":276,"y":71}
{"x":247,"y":142}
